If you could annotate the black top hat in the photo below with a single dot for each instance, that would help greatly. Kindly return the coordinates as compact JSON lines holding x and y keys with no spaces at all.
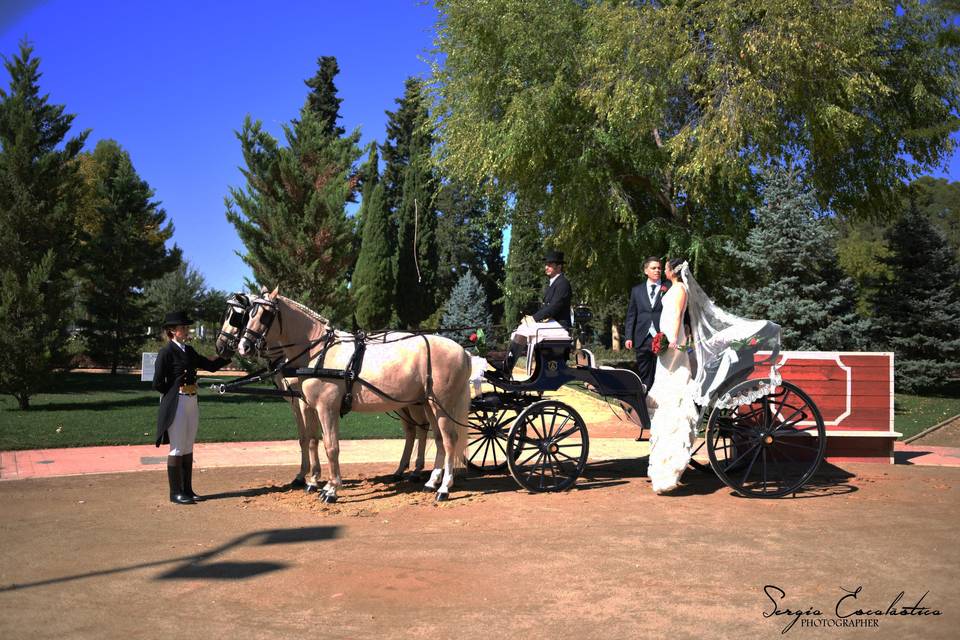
{"x":176,"y":319}
{"x":554,"y":256}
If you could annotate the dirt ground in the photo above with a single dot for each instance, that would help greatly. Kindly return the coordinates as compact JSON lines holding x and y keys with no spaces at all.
{"x":108,"y":557}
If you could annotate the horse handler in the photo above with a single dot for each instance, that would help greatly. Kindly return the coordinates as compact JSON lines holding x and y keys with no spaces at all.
{"x":175,"y":376}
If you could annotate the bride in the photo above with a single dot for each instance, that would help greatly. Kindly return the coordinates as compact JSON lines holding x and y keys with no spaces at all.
{"x":673,"y":425}
{"x":725,"y":346}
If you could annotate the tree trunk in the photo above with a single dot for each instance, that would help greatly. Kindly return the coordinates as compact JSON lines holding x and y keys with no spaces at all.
{"x":614,"y":335}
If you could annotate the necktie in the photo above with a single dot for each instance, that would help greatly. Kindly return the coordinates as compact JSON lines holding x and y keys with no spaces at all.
{"x":653,"y":291}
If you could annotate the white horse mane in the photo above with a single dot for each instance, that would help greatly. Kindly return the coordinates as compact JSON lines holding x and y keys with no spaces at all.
{"x":307,"y":310}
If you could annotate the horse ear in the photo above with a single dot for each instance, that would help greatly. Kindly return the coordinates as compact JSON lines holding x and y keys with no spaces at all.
{"x":273,"y":294}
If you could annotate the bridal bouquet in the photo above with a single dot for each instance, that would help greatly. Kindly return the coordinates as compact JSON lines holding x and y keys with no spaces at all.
{"x":660,"y":342}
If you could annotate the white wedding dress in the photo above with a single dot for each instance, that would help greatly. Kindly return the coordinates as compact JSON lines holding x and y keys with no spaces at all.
{"x":674,"y":414}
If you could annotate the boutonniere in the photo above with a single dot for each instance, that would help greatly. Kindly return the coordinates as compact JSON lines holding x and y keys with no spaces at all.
{"x":663,"y":288}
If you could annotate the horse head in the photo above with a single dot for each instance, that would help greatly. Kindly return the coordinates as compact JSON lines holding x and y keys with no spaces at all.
{"x":263,"y":311}
{"x":234,"y":321}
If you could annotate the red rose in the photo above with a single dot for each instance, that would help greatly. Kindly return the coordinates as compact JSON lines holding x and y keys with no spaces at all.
{"x":753,"y":342}
{"x":473,"y":337}
{"x":663,"y":288}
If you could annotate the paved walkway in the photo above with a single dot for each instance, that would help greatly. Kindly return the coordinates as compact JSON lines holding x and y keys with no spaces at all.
{"x":46,"y":463}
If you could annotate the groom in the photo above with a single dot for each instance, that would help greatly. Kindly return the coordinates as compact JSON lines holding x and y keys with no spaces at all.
{"x":643,"y":319}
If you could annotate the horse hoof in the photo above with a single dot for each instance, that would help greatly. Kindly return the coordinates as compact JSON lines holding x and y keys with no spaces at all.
{"x":310,"y":488}
{"x":443,"y":497}
{"x":328,"y":498}
{"x":429,"y":489}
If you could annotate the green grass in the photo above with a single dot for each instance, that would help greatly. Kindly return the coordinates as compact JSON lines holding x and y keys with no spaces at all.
{"x":913,"y":414}
{"x":98,"y":409}
{"x":86,"y":409}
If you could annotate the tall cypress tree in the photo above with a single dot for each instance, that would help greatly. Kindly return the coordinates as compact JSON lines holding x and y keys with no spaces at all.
{"x":123,"y":247}
{"x":790,"y":272}
{"x":322,"y":99}
{"x":373,"y":285}
{"x":524,"y":271}
{"x":918,"y":313}
{"x":291,"y":216}
{"x":40,"y":190}
{"x":410,"y":188}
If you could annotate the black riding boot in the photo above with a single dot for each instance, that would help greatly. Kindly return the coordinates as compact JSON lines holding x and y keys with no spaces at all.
{"x":175,"y":476}
{"x":188,"y":478}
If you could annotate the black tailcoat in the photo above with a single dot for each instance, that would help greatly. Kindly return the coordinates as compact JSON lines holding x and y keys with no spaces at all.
{"x":556,"y":302}
{"x":176,"y":367}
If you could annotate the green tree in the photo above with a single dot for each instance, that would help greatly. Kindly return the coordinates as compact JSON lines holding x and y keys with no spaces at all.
{"x":181,"y":289}
{"x":322,"y":99}
{"x":291,"y":215}
{"x":373,"y":286}
{"x":40,"y":191}
{"x":524,"y":280}
{"x":789,"y":272}
{"x":470,"y":238}
{"x":918,"y":313}
{"x":123,"y":247}
{"x":628,"y":122}
{"x":410,"y":187}
{"x":467,"y":308}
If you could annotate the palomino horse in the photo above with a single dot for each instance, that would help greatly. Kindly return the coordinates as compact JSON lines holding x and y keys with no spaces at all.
{"x":308,"y":423}
{"x":399,"y":371}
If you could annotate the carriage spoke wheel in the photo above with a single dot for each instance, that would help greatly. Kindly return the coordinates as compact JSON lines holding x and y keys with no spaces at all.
{"x":770,"y":447}
{"x":547,"y":447}
{"x":490,"y":421}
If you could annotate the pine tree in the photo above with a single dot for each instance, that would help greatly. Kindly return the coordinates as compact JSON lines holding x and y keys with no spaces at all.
{"x":373,"y":283}
{"x":291,"y":216}
{"x":467,"y":308}
{"x":40,"y":190}
{"x":790,"y":273}
{"x":918,"y":313}
{"x":123,"y":247}
{"x":322,"y":99}
{"x":181,"y":289}
{"x":410,"y":187}
{"x":524,"y":271}
{"x":470,"y":238}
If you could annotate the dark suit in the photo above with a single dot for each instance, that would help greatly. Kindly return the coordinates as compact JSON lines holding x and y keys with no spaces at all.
{"x":556,"y":302}
{"x":176,"y":367}
{"x":640,"y":314}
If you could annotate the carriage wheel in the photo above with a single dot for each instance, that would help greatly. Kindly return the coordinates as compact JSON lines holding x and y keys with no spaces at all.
{"x":770,"y":447}
{"x":490,"y":421}
{"x":699,"y":448}
{"x":547,"y":447}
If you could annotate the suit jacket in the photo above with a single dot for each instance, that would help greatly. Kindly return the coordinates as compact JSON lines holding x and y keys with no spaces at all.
{"x":640,"y":313}
{"x":556,"y":302}
{"x":175,"y":367}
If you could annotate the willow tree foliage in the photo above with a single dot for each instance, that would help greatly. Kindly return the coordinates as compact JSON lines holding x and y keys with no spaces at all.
{"x":40,"y":191}
{"x":291,"y":215}
{"x":639,"y":127}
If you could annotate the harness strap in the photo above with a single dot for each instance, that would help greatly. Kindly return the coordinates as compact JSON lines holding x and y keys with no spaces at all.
{"x":352,"y":372}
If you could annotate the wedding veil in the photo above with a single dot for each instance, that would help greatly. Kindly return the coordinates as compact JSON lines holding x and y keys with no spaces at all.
{"x":724,"y":345}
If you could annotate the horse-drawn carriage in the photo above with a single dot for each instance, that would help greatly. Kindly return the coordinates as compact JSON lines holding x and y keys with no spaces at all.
{"x":763,"y":438}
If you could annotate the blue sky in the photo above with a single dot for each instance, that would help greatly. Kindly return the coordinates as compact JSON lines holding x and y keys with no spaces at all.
{"x":172,"y":82}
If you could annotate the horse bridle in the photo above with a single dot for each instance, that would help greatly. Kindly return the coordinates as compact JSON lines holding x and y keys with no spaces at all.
{"x":236,"y":315}
{"x":268,"y":310}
